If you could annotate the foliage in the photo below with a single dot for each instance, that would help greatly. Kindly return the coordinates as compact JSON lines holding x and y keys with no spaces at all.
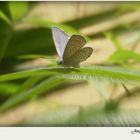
{"x":22,"y":45}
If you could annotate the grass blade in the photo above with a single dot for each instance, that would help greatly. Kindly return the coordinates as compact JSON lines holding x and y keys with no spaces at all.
{"x":112,"y":74}
{"x":5,"y":18}
{"x":44,"y":86}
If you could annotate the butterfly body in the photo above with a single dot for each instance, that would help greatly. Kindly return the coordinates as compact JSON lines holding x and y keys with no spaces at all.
{"x":71,"y":50}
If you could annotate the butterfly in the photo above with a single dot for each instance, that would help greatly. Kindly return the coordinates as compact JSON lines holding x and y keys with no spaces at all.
{"x":71,"y":50}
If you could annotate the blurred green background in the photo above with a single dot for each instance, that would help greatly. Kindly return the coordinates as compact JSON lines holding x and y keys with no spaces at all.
{"x":35,"y":91}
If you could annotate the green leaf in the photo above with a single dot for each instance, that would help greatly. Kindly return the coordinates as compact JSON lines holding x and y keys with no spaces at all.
{"x":8,"y":88}
{"x":31,"y":41}
{"x":48,"y":24}
{"x":39,"y":89}
{"x":116,"y":42}
{"x":92,"y":116}
{"x":28,"y":83}
{"x":45,"y":23}
{"x":5,"y":37}
{"x":122,"y":56}
{"x":34,"y":56}
{"x":4,"y":17}
{"x":128,"y":6}
{"x":17,"y":75}
{"x":112,"y":74}
{"x":18,"y":9}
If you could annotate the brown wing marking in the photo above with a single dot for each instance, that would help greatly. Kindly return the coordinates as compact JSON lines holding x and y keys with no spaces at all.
{"x":79,"y":56}
{"x":75,"y":43}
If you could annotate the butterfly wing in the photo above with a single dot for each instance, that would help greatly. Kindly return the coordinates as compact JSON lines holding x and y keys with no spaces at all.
{"x":60,"y":40}
{"x":75,"y":43}
{"x":79,"y":56}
